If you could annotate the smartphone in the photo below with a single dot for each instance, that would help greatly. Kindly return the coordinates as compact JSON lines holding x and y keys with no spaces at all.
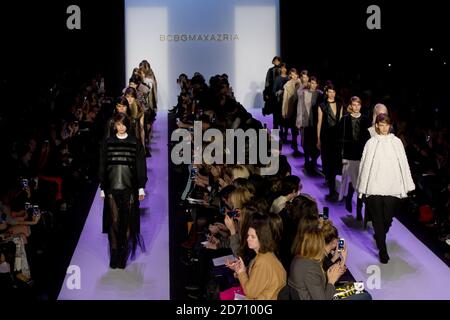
{"x":326,"y":213}
{"x":24,"y":183}
{"x":194,"y":172}
{"x":233,"y":214}
{"x":341,"y":244}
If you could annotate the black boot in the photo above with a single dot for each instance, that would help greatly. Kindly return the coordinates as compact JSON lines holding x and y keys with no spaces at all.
{"x":382,"y":249}
{"x":348,"y":199}
{"x":113,"y":259}
{"x":147,"y":153}
{"x":296,"y":153}
{"x":359,"y":205}
{"x":332,"y":196}
{"x":122,"y":258}
{"x":384,"y":257}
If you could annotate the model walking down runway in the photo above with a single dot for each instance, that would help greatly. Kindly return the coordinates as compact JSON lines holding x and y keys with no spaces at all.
{"x":384,"y":178}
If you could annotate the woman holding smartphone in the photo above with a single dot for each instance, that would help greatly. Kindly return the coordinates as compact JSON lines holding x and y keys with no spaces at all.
{"x":307,"y":275}
{"x":265,"y":276}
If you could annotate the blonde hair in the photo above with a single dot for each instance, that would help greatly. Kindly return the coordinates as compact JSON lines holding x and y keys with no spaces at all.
{"x":329,"y":231}
{"x":239,"y":197}
{"x":353,"y":99}
{"x":313,"y":245}
{"x":240,"y":171}
{"x":378,"y":109}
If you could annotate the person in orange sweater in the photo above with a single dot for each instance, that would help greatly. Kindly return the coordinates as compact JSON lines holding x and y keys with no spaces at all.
{"x":265,"y":276}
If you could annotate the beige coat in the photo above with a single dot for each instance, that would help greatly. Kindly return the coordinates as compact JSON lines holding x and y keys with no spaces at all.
{"x":290,"y":98}
{"x":265,"y":278}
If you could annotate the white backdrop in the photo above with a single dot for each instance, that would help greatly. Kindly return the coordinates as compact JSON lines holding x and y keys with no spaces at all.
{"x":237,"y":37}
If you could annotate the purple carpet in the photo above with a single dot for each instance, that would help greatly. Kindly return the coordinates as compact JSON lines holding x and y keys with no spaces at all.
{"x":413,"y":272}
{"x":147,"y":277}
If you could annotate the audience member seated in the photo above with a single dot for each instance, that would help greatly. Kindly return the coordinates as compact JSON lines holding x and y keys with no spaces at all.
{"x":265,"y":276}
{"x":290,"y":187}
{"x":307,"y":275}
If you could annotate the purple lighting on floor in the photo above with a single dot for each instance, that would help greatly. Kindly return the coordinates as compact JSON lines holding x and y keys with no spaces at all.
{"x":147,"y":277}
{"x":414,"y":271}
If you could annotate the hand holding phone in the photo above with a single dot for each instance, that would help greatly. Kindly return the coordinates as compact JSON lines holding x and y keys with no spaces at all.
{"x":36,"y":211}
{"x":24,"y":183}
{"x":234,"y":214}
{"x":194,"y":172}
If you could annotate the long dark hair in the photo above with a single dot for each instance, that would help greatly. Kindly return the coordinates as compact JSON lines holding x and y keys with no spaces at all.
{"x":261,"y":223}
{"x":301,"y":206}
{"x":122,"y":101}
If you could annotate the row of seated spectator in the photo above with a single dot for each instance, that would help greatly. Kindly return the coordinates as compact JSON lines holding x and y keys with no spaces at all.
{"x":50,"y":153}
{"x":427,"y":150}
{"x":265,"y":224}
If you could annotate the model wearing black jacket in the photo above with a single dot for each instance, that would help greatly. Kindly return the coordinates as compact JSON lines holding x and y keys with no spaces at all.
{"x":123,"y":175}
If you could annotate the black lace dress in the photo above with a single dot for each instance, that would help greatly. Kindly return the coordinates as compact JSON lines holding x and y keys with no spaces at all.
{"x":123,"y":172}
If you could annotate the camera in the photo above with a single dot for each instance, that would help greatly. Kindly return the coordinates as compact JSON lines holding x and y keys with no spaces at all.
{"x":341,"y":244}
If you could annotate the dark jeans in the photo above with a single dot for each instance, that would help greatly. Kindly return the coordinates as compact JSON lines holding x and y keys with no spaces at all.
{"x":309,"y":142}
{"x":382,"y":210}
{"x":277,"y":118}
{"x":290,"y":124}
{"x":331,"y":160}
